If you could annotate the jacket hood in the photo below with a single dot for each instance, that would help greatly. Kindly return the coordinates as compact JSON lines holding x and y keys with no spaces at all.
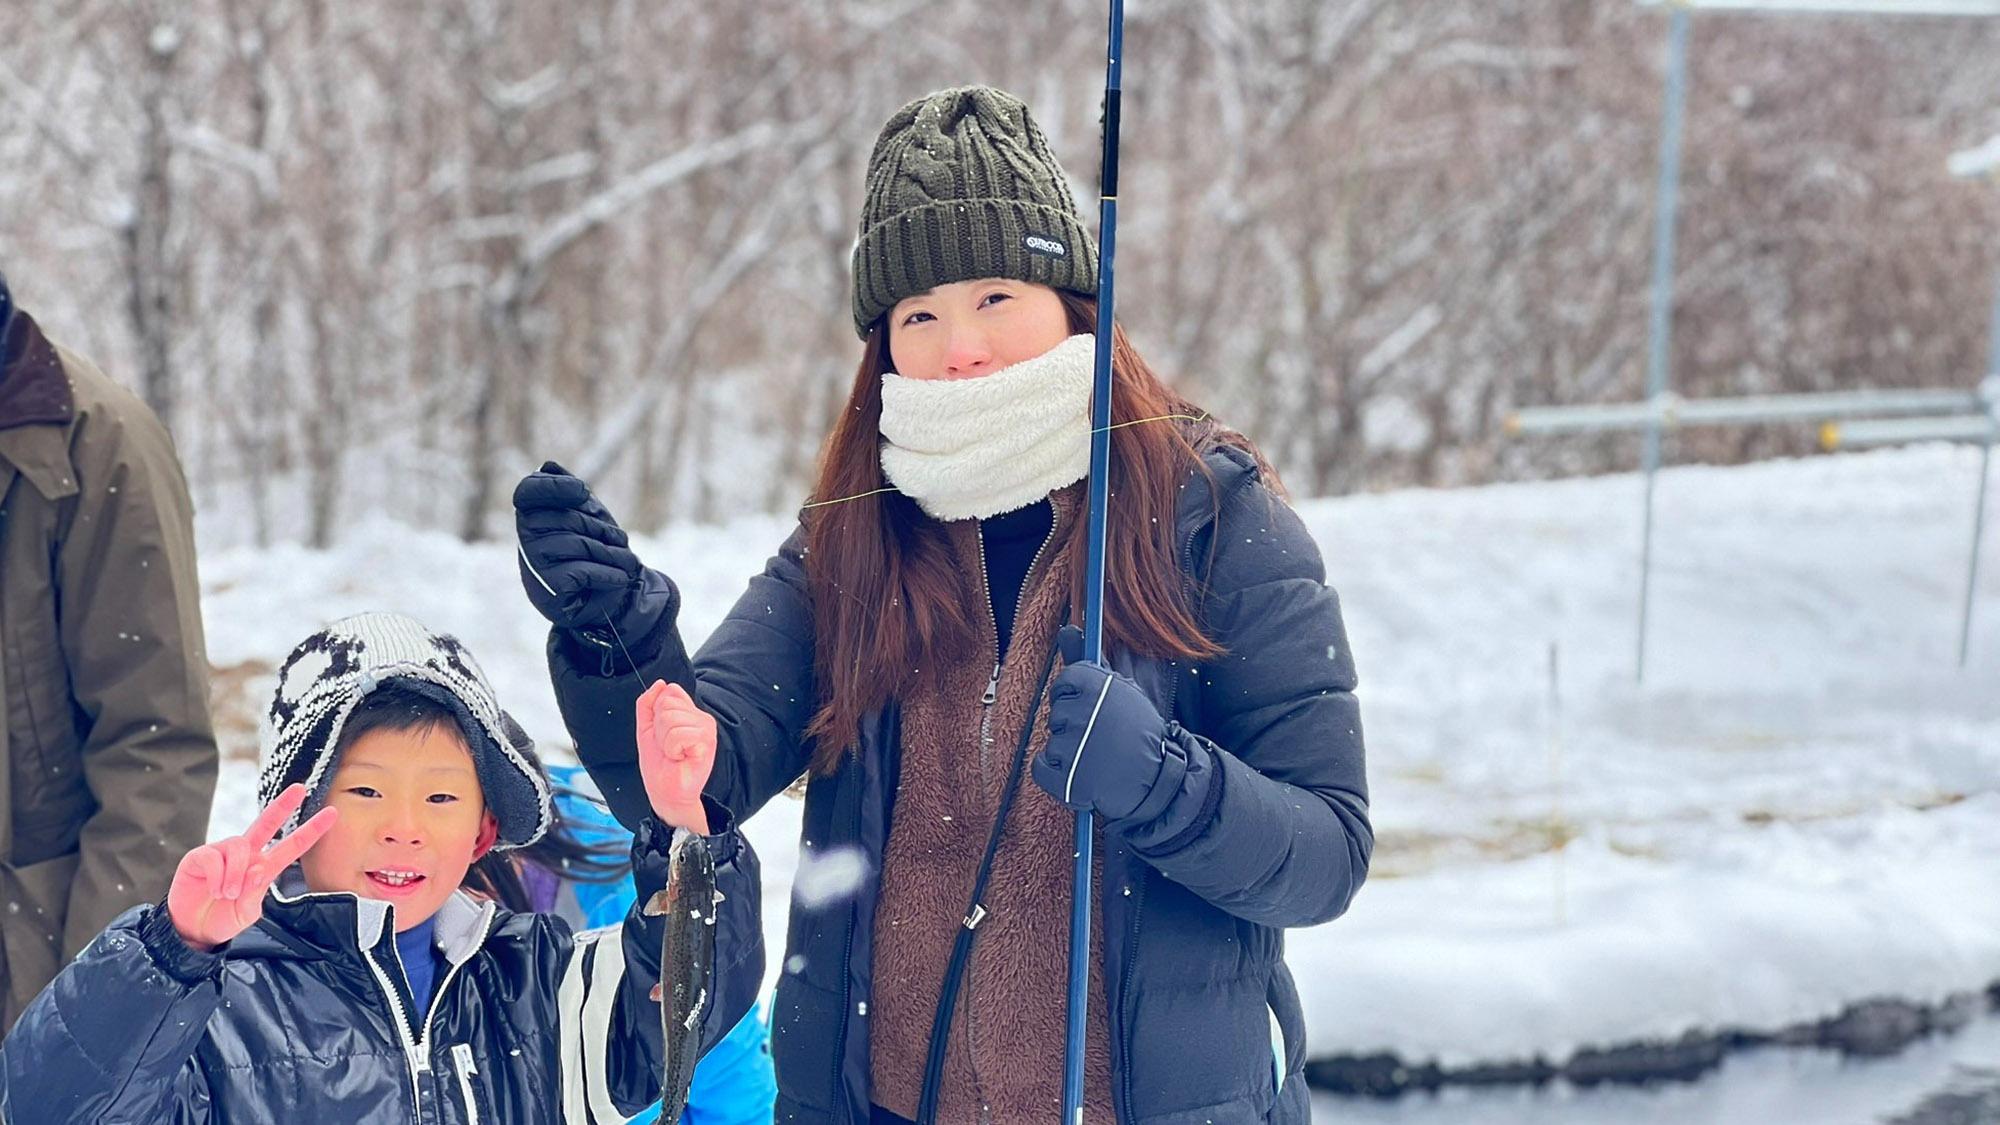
{"x":1229,"y":468}
{"x":34,"y":389}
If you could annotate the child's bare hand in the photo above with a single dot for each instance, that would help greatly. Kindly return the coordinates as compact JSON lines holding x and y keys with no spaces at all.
{"x":676,"y":754}
{"x":218,"y":889}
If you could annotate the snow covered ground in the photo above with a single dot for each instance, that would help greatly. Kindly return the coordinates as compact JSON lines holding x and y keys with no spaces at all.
{"x":1797,"y":811}
{"x":1769,"y":830}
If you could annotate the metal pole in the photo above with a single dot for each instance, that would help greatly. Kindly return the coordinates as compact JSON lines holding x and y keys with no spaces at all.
{"x":1660,"y":325}
{"x":1993,"y":330}
{"x":1846,"y":7}
{"x":1558,"y":823}
{"x":1901,"y":431}
{"x":1093,"y":584}
{"x":1972,"y":570}
{"x":1990,"y":390}
{"x":1674,"y":412}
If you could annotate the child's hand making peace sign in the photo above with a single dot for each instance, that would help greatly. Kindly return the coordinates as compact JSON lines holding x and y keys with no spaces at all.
{"x":218,"y":889}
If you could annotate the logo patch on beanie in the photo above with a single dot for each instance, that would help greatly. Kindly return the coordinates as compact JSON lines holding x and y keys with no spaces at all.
{"x":1044,"y":245}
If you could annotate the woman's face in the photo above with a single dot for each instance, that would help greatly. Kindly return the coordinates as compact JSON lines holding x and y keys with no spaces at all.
{"x":972,"y":328}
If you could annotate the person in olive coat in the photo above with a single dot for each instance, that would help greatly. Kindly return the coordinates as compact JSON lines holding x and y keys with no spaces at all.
{"x":107,"y":752}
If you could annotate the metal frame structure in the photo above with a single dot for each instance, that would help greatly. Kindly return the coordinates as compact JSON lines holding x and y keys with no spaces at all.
{"x":1980,"y":423}
{"x":1982,"y":427}
{"x":1662,"y":410}
{"x":1670,"y":411}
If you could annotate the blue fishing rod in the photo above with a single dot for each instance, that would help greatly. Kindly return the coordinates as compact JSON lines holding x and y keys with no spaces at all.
{"x":1093,"y":582}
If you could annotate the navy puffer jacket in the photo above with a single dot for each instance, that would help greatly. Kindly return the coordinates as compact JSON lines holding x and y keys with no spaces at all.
{"x":1268,"y":830}
{"x":306,"y":1016}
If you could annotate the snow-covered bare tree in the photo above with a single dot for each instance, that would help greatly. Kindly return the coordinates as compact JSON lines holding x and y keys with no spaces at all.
{"x":371,"y":256}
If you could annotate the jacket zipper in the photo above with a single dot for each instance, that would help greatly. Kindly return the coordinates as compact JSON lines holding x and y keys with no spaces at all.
{"x":993,"y":682}
{"x":465,"y":1068}
{"x":461,"y":1057}
{"x":992,"y":693}
{"x":986,"y":701}
{"x":416,"y":1050}
{"x":424,"y":1037}
{"x":1139,"y":884}
{"x":1124,"y":986}
{"x":846,"y":1000}
{"x":847,"y":1015}
{"x":416,"y":1062}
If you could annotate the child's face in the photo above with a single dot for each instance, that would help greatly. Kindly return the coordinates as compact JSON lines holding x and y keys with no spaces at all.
{"x":412,"y":819}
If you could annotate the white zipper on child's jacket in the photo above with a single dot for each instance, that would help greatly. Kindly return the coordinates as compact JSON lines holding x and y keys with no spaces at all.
{"x":402,"y":1021}
{"x":485,"y":928}
{"x":461,"y":1056}
{"x":416,"y":1051}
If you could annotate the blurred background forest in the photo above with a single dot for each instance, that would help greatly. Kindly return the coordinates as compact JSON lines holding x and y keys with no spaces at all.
{"x":378,"y":256}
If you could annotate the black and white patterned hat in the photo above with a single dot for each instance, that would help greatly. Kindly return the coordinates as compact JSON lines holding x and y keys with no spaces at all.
{"x":328,"y":675}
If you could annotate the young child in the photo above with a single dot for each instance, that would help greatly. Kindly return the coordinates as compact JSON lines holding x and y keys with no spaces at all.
{"x":340,"y":973}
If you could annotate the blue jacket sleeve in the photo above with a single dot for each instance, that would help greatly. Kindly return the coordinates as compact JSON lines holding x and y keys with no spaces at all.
{"x":735,"y":1085}
{"x":754,"y":674}
{"x":605,"y":1001}
{"x":1268,"y":818}
{"x":113,"y":1037}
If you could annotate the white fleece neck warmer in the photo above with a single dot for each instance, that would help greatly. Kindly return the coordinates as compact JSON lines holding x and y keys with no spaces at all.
{"x":973,"y":448}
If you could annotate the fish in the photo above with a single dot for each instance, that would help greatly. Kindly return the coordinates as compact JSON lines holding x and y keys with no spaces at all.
{"x":687,"y":959}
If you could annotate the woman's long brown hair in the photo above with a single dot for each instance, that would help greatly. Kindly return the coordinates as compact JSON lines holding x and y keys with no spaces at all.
{"x":886,"y":609}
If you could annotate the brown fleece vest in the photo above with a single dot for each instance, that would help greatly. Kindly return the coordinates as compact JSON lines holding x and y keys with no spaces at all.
{"x":1005,"y":1060}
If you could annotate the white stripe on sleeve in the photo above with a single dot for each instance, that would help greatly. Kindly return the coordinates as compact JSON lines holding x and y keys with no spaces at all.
{"x":607,"y":973}
{"x":571,"y":1002}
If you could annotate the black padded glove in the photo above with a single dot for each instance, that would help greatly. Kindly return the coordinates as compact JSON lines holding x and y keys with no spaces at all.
{"x":577,"y":564}
{"x":1108,"y":747}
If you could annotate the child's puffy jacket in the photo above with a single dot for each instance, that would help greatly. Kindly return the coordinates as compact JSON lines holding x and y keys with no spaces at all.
{"x":305,"y":1017}
{"x":734,"y":1085}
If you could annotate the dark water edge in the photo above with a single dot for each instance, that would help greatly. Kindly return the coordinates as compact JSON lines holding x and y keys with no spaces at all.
{"x":1972,"y":1099}
{"x":1876,"y":1028}
{"x":1947,"y":1077}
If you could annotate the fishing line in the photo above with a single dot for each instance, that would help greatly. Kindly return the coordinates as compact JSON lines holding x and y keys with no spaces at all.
{"x":530,"y":566}
{"x":628,"y":653}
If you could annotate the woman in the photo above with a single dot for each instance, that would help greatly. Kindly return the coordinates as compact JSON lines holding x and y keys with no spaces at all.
{"x":901,"y":650}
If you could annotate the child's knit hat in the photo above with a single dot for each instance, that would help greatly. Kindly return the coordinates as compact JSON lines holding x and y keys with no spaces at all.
{"x":329,"y":673}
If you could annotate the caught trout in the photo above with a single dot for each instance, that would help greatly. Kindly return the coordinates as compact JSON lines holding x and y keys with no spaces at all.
{"x":687,"y":954}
